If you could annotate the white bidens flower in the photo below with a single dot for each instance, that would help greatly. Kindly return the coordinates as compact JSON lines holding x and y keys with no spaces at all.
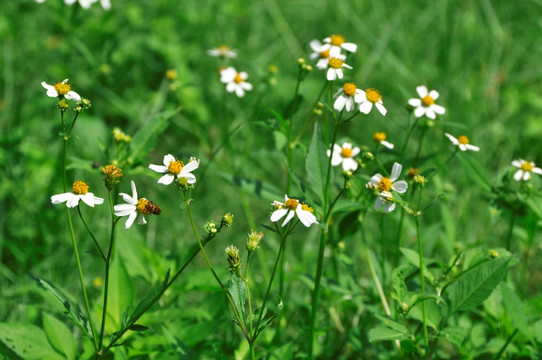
{"x":135,"y":206}
{"x":235,"y":81}
{"x":292,"y":207}
{"x":525,"y":169}
{"x":383,"y":185}
{"x":79,"y":192}
{"x":322,"y":53}
{"x":61,"y":90}
{"x":369,"y":98}
{"x":175,"y":169}
{"x":85,"y":4}
{"x":338,"y":42}
{"x":462,"y":142}
{"x":336,"y":63}
{"x":223,"y":51}
{"x":380,"y":137}
{"x":425,"y":105}
{"x":344,"y":155}
{"x":347,"y":96}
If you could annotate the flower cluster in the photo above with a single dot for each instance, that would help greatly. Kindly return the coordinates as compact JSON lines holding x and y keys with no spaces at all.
{"x":329,"y":55}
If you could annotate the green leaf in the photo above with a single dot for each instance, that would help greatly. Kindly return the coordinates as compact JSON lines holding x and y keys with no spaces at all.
{"x":391,"y":324}
{"x":476,"y":285}
{"x":515,"y":309}
{"x":474,"y":170}
{"x":27,"y":341}
{"x":60,"y":336}
{"x":285,"y":127}
{"x":137,"y":327}
{"x":414,"y":258}
{"x":454,"y":334}
{"x":285,"y":352}
{"x":149,"y":299}
{"x":432,"y":312}
{"x":398,"y":280}
{"x":261,"y":189}
{"x":380,"y":333}
{"x":317,"y":164}
{"x":238,"y":292}
{"x":121,"y":291}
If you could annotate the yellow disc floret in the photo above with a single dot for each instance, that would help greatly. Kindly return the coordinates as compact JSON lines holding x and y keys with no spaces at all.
{"x":463,"y":140}
{"x":336,"y":40}
{"x":307,"y":208}
{"x":223,"y":48}
{"x":349,"y":89}
{"x":324,"y":54}
{"x":384,"y":184}
{"x":527,"y":166}
{"x":175,"y":167}
{"x":80,"y":187}
{"x":335,"y":63}
{"x":428,"y":101}
{"x":142,"y":206}
{"x":238,"y":79}
{"x":373,"y":95}
{"x":346,"y":152}
{"x":62,"y":88}
{"x":292,"y":204}
{"x":379,"y":136}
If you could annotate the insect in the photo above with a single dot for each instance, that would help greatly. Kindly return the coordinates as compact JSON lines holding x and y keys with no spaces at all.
{"x":153,"y":208}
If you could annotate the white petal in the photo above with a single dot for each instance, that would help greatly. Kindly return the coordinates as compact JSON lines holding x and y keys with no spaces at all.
{"x":190,"y":178}
{"x":246,"y":86}
{"x":168,"y":159}
{"x":60,"y":198}
{"x":239,"y":91}
{"x":355,"y":151}
{"x":400,"y":186}
{"x":395,"y":171}
{"x":438,"y":109}
{"x":452,"y":139}
{"x":159,"y":168}
{"x":141,"y":220}
{"x":388,"y":206}
{"x":130,"y":220}
{"x":518,"y":175}
{"x":419,"y":111}
{"x":72,"y":95}
{"x":517,"y":163}
{"x":349,"y":103}
{"x":422,"y":91}
{"x":430,"y":113}
{"x":472,"y":147}
{"x":73,"y":201}
{"x":365,"y":107}
{"x":378,"y":203}
{"x":434,"y":94}
{"x":306,"y":217}
{"x":91,"y":200}
{"x":315,"y":45}
{"x":331,"y":74}
{"x":381,"y":108}
{"x":537,"y":170}
{"x":191,"y":166}
{"x":349,"y":164}
{"x":351,"y":47}
{"x":415,"y":102}
{"x":375,"y":179}
{"x":289,"y":217}
{"x":278,"y":214}
{"x":134,"y":191}
{"x":166,"y":179}
{"x":339,"y":103}
{"x":340,"y":72}
{"x":526,"y":176}
{"x":387,"y":144}
{"x":128,"y":199}
{"x":336,"y":159}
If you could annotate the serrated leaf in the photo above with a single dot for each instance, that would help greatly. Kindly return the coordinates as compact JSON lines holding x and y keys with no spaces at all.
{"x":238,"y":292}
{"x":60,"y":336}
{"x":515,"y":309}
{"x":381,"y":333}
{"x":317,"y":164}
{"x":27,"y":341}
{"x":398,"y":280}
{"x":476,"y":285}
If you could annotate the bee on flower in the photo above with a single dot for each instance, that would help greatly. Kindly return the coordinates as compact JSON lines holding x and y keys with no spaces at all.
{"x":61,"y":90}
{"x":223,"y":51}
{"x":175,"y":168}
{"x":344,"y":155}
{"x":383,"y":186}
{"x":369,"y":98}
{"x":425,"y":105}
{"x":525,"y":168}
{"x":235,"y":81}
{"x":79,"y":192}
{"x":347,"y":96}
{"x":462,"y":143}
{"x":291,"y":208}
{"x":135,"y":206}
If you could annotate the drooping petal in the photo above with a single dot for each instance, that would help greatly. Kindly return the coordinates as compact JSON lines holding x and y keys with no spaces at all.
{"x":395,"y":171}
{"x":130,"y":220}
{"x":400,"y":186}
{"x":73,"y":201}
{"x":381,"y":108}
{"x":141,"y":220}
{"x":278,"y":214}
{"x":339,"y":72}
{"x":388,"y":206}
{"x":166,"y":179}
{"x":378,"y":203}
{"x":289,"y":217}
{"x":306,"y":217}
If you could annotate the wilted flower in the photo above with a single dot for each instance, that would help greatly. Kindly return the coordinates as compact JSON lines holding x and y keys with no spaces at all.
{"x":425,"y":105}
{"x":253,"y":240}
{"x":290,"y":208}
{"x":112,"y":175}
{"x":79,"y":192}
{"x":234,"y":259}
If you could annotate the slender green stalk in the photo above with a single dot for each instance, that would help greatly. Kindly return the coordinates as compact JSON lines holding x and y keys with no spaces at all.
{"x":508,"y":341}
{"x":91,"y":234}
{"x":422,"y":275}
{"x":418,"y":152}
{"x":409,"y":133}
{"x":510,"y":231}
{"x":249,"y":298}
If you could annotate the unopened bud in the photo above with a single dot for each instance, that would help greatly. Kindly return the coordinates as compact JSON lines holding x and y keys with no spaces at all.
{"x":63,"y":105}
{"x":211,"y":227}
{"x":253,"y":240}
{"x":301,"y":61}
{"x":234,"y":259}
{"x":227,"y":219}
{"x":420,"y":179}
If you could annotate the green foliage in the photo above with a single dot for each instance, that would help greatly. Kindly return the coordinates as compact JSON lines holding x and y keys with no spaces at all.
{"x":28,"y":341}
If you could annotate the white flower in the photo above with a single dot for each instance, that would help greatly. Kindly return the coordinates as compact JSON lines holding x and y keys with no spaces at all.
{"x":384,"y":185}
{"x":322,"y":52}
{"x":336,"y":63}
{"x":525,"y":169}
{"x":347,"y":96}
{"x":175,"y":168}
{"x":134,"y":206}
{"x":80,"y":192}
{"x":425,"y":105}
{"x":462,"y":142}
{"x":344,"y":155}
{"x":380,"y":137}
{"x":85,"y":4}
{"x":223,"y":51}
{"x":338,"y":42}
{"x":370,"y":97}
{"x":62,"y":90}
{"x":292,"y":207}
{"x":235,"y":81}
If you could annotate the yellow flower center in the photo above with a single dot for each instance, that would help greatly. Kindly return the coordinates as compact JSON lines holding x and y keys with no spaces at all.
{"x":527,"y":166}
{"x":379,"y":136}
{"x":175,"y":167}
{"x":324,"y":54}
{"x":171,"y":74}
{"x":349,"y":89}
{"x":384,"y":184}
{"x":292,"y":204}
{"x":62,"y":88}
{"x":463,"y":140}
{"x":142,"y":206}
{"x":307,"y":208}
{"x":373,"y":95}
{"x":80,"y":187}
{"x":335,"y":63}
{"x":346,"y":152}
{"x":238,"y":79}
{"x":428,"y":101}
{"x":223,"y":48}
{"x":336,"y":40}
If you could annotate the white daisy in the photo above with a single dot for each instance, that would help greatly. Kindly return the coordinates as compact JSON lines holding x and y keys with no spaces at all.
{"x":425,"y":105}
{"x":462,"y":142}
{"x":370,"y":97}
{"x":338,"y":42}
{"x":61,"y":90}
{"x":135,"y":206}
{"x":336,"y":63}
{"x":80,"y":192}
{"x":292,"y":207}
{"x":323,"y":53}
{"x":346,"y":97}
{"x":344,"y":155}
{"x":223,"y":51}
{"x":380,"y":137}
{"x":235,"y":81}
{"x":384,"y":185}
{"x":175,"y":169}
{"x":525,"y":169}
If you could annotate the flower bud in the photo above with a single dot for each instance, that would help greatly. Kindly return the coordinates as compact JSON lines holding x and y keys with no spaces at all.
{"x":112,"y":175}
{"x":301,"y":61}
{"x":63,"y":105}
{"x":210,"y":227}
{"x":253,"y":240}
{"x":227,"y":219}
{"x":234,"y":259}
{"x":420,"y":180}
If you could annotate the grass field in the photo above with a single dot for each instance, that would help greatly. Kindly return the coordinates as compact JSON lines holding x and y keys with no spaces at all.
{"x":350,"y":287}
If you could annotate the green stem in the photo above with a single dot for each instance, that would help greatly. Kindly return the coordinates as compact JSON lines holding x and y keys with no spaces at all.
{"x":508,"y":341}
{"x":418,"y":152}
{"x":510,"y":231}
{"x":409,"y":133}
{"x":91,"y":234}
{"x":422,"y":275}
